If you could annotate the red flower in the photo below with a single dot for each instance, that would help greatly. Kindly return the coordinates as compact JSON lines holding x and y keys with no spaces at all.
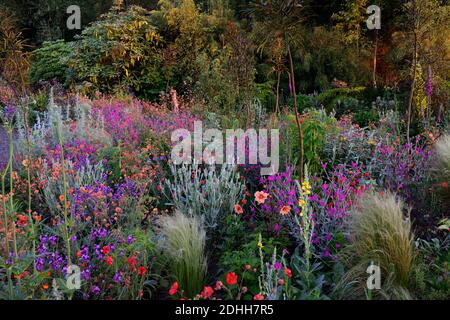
{"x":78,"y":253}
{"x":109,"y":260}
{"x":207,"y":292}
{"x":232,"y":278}
{"x":106,"y":250}
{"x":141,"y":271}
{"x":173,"y":289}
{"x":444,"y":185}
{"x":132,"y":262}
{"x":288,"y":272}
{"x":258,"y":297}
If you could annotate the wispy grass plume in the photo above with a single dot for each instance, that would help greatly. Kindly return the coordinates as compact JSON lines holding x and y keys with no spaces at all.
{"x":380,"y":233}
{"x":183,"y":246}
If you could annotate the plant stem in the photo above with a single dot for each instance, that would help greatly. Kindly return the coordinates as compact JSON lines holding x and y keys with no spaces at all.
{"x":30,"y":216}
{"x":63,"y":171}
{"x":5,"y":214}
{"x":11,"y":191}
{"x":297,"y":117}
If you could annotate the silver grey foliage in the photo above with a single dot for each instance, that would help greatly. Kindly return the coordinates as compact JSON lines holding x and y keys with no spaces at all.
{"x":206,"y":191}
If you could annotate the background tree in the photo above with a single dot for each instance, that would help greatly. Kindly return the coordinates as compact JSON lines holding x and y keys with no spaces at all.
{"x":120,"y":51}
{"x":279,"y":24}
{"x":426,"y":33}
{"x":14,"y":58}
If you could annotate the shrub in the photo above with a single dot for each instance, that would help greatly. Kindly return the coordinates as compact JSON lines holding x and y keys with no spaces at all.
{"x":183,"y":245}
{"x":120,"y":51}
{"x":400,"y":167}
{"x":51,"y":62}
{"x":330,"y":99}
{"x":316,"y":125}
{"x":380,"y":234}
{"x":366,"y":117}
{"x":207,"y":193}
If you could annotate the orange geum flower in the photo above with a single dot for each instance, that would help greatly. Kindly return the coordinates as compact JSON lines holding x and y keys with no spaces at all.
{"x":285,"y":210}
{"x":238,"y":209}
{"x":261,"y":196}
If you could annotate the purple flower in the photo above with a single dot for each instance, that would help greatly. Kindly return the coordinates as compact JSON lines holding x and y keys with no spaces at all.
{"x":9,"y":112}
{"x":276,"y":227}
{"x":53,"y":240}
{"x":96,"y":290}
{"x":86,"y":274}
{"x":130,"y":239}
{"x":117,"y":277}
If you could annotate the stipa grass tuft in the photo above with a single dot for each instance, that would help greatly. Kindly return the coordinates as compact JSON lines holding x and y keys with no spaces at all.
{"x":380,"y":233}
{"x":183,"y":247}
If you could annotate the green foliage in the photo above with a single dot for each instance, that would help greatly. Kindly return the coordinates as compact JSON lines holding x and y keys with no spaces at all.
{"x":366,"y":117}
{"x":350,"y":21}
{"x":120,"y":51}
{"x":309,"y":281}
{"x":431,"y":274}
{"x":51,"y":62}
{"x":332,"y":99}
{"x":189,"y":34}
{"x":313,"y":139}
{"x":246,"y":254}
{"x":264,"y":92}
{"x":305,"y":102}
{"x":314,"y":128}
{"x":214,"y":86}
{"x":327,"y":57}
